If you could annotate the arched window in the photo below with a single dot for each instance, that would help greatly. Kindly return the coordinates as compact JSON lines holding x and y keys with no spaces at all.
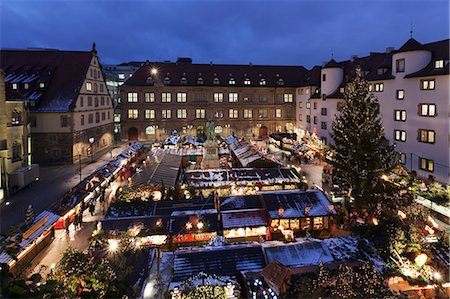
{"x":166,"y":80}
{"x":218,"y":129}
{"x":216,"y":81}
{"x":150,"y":130}
{"x":16,"y":117}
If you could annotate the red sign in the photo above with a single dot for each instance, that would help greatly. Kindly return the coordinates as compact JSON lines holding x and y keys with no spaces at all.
{"x":187,"y":238}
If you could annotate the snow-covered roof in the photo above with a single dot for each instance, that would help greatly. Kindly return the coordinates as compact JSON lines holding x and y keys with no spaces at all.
{"x":244,"y":218}
{"x":295,"y":202}
{"x":193,"y":212}
{"x":248,"y":156}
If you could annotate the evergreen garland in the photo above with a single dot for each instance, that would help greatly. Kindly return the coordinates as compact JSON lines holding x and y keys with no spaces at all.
{"x":360,"y":153}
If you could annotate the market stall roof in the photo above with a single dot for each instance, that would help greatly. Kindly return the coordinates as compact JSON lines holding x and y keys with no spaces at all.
{"x":240,"y":176}
{"x":307,"y":252}
{"x":49,"y":218}
{"x":168,"y":207}
{"x":193,"y":151}
{"x":192,"y":140}
{"x":124,"y":223}
{"x":167,"y":171}
{"x":248,"y":156}
{"x":294,"y":203}
{"x":227,"y":260}
{"x":241,"y":202}
{"x":179,"y":220}
{"x":244,"y":218}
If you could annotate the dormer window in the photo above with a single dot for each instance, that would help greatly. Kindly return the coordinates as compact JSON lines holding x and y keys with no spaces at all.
{"x":149,"y":80}
{"x":183,"y":81}
{"x":200,"y":81}
{"x":341,"y":90}
{"x":365,"y":73}
{"x":262,"y":81}
{"x":232,"y":81}
{"x":166,"y":80}
{"x":439,"y":64}
{"x":400,"y":65}
{"x":42,"y":85}
{"x":247,"y":81}
{"x":280,"y":81}
{"x":14,"y":86}
{"x":216,"y":81}
{"x":26,"y":86}
{"x":381,"y":71}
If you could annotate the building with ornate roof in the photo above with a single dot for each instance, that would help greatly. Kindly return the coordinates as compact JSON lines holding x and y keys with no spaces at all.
{"x":412,"y":87}
{"x":71,"y":111}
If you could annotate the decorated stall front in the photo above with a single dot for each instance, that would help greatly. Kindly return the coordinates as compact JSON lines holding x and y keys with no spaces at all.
{"x":193,"y":226}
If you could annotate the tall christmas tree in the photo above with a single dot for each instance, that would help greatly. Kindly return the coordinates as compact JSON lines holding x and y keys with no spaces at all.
{"x":360,"y":152}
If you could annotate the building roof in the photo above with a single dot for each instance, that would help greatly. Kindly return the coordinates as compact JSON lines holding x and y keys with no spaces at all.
{"x":411,"y":45}
{"x":226,"y":260}
{"x":331,"y":64}
{"x":244,"y":218}
{"x":185,"y":73}
{"x":294,"y":203}
{"x":62,"y":72}
{"x":240,"y":202}
{"x":440,"y":51}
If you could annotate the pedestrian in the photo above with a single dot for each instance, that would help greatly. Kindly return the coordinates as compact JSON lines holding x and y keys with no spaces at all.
{"x":92,"y":209}
{"x":66,"y":224}
{"x":80,"y":217}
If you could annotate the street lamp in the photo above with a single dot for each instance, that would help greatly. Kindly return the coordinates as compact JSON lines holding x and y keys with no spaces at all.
{"x":91,"y":142}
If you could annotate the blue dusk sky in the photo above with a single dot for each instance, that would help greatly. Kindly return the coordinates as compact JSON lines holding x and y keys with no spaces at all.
{"x":236,"y":32}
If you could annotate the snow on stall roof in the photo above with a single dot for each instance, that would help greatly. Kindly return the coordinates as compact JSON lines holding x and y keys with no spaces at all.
{"x":193,"y":212}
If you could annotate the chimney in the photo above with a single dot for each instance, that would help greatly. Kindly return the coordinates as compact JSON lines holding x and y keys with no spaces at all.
{"x":390,"y":49}
{"x":354,"y":57}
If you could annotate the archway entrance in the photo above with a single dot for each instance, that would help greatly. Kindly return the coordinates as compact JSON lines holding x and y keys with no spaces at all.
{"x":132,"y":134}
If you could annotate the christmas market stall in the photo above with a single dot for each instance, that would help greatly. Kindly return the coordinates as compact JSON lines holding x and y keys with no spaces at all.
{"x":239,"y":181}
{"x":294,"y":212}
{"x":243,"y":218}
{"x":246,"y":155}
{"x":19,"y":250}
{"x":219,"y":266}
{"x":193,"y":227}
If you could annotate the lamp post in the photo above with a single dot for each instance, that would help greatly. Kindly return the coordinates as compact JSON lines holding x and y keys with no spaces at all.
{"x":91,"y":145}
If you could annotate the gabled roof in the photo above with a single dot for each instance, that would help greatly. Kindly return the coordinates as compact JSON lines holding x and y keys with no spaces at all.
{"x":216,"y":75}
{"x":411,"y":45}
{"x":332,"y":64}
{"x":63,"y":73}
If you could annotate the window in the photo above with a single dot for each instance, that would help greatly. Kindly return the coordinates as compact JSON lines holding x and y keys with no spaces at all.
{"x":167,"y":81}
{"x":96,"y":102}
{"x":132,"y":97}
{"x":315,"y":119}
{"x":426,"y":136}
{"x":181,"y":113}
{"x":426,"y":164}
{"x":109,"y":114}
{"x":149,"y":114}
{"x":400,"y":65}
{"x":400,"y":94}
{"x":233,"y":113}
{"x":121,"y":76}
{"x":89,"y":101}
{"x":400,"y":115}
{"x":323,"y":111}
{"x":95,"y":87}
{"x":379,"y":87}
{"x":218,"y":129}
{"x":41,"y":85}
{"x":262,"y":82}
{"x":315,"y":105}
{"x":216,"y":81}
{"x":280,"y":82}
{"x":183,"y":81}
{"x":149,"y":97}
{"x":200,"y":81}
{"x":133,"y":113}
{"x":278,"y":113}
{"x":91,"y":118}
{"x":63,"y":121}
{"x":81,"y":101}
{"x":300,"y":117}
{"x":370,"y":87}
{"x":101,"y":88}
{"x":308,"y":119}
{"x":308,"y":105}
{"x":439,"y":64}
{"x":427,"y":84}
{"x":166,"y":113}
{"x":150,"y":130}
{"x":400,"y":135}
{"x":16,"y":151}
{"x":218,"y":114}
{"x":200,"y":113}
{"x":263,"y":113}
{"x":324,"y":77}
{"x":88,"y":86}
{"x":82,"y":119}
{"x":232,"y":97}
{"x":232,"y":81}
{"x":402,"y":158}
{"x":248,"y":113}
{"x":166,"y":97}
{"x":300,"y":104}
{"x":218,"y":97}
{"x":26,"y":86}
{"x":427,"y":110}
{"x":103,"y":115}
{"x":14,"y":86}
{"x":247,"y":81}
{"x":246,"y":99}
{"x":181,"y":97}
{"x":288,"y":98}
{"x":339,"y":106}
{"x":323,"y":125}
{"x":341,"y":89}
{"x":263,"y":98}
{"x":102,"y":101}
{"x":97,"y":117}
